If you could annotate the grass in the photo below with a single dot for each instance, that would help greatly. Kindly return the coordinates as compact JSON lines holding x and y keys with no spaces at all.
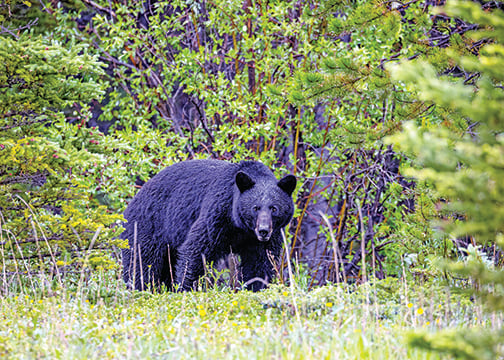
{"x":100,"y":319}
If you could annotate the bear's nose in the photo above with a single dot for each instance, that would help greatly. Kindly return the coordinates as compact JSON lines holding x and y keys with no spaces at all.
{"x":263,"y":233}
{"x":263,"y":226}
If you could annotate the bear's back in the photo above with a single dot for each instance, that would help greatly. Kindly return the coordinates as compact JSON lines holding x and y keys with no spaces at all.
{"x":169,"y":203}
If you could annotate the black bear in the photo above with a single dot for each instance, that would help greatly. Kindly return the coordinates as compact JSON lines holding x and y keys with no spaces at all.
{"x":199,"y":211}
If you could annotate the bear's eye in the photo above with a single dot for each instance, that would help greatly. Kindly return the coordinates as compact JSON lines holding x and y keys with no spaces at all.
{"x":255,"y":208}
{"x":274,"y":209}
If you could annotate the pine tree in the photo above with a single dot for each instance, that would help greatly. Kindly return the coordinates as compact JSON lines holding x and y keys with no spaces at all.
{"x":466,"y":171}
{"x":48,"y":158}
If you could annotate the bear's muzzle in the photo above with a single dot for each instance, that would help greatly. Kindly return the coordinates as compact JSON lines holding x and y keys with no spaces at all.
{"x":264,"y":226}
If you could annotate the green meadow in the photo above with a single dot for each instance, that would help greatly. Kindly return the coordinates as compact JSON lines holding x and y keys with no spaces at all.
{"x":100,"y":319}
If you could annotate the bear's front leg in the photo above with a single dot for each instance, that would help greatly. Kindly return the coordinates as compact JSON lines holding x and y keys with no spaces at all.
{"x":257,"y":267}
{"x":190,"y":266}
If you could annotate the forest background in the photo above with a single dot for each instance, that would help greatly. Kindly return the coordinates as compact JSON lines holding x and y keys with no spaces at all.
{"x":389,"y":114}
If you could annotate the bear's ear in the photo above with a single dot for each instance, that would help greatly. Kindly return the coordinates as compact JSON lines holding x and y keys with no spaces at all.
{"x":243,"y":181}
{"x":288,"y":184}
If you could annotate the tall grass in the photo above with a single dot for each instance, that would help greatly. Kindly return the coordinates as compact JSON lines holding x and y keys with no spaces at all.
{"x":99,"y":318}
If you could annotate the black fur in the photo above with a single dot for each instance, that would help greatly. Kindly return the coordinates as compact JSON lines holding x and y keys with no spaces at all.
{"x":205,"y":209}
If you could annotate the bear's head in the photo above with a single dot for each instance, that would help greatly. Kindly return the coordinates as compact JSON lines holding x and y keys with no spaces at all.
{"x":263,"y":206}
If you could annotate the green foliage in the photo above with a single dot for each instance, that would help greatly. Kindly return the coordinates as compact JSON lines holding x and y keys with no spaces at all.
{"x":19,"y":15}
{"x":466,"y":170}
{"x":473,"y":344}
{"x":348,"y":73}
{"x":475,"y":188}
{"x":48,"y":216}
{"x":179,"y":96}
